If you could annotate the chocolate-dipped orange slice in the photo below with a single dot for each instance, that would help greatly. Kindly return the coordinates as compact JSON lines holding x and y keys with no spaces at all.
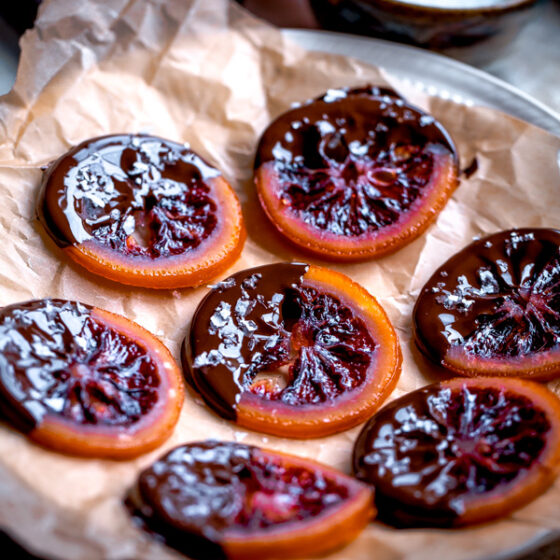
{"x":84,"y":381}
{"x":354,"y":174}
{"x":460,"y":452}
{"x":293,"y":350}
{"x":224,"y":500}
{"x":494,"y":307}
{"x":142,"y":210}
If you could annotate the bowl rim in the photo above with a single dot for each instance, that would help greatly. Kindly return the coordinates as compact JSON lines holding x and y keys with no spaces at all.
{"x":490,"y":7}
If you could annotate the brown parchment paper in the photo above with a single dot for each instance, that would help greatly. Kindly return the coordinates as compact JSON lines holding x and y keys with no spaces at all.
{"x":207,"y":73}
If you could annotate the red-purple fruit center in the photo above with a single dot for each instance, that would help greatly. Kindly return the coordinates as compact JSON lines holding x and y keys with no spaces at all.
{"x":353,"y":189}
{"x":60,"y":360}
{"x":321,"y":347}
{"x":277,"y":493}
{"x":510,"y":309}
{"x":440,"y":445}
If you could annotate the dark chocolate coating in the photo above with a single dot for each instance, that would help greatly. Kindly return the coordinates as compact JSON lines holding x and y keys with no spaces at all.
{"x":435,"y":449}
{"x":55,"y":358}
{"x":498,"y":297}
{"x":190,"y":495}
{"x":266,"y":319}
{"x":196,"y":493}
{"x":249,"y":302}
{"x":112,"y":188}
{"x":364,"y":121}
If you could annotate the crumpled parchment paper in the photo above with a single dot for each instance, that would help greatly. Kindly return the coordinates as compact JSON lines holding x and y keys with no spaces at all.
{"x":207,"y":73}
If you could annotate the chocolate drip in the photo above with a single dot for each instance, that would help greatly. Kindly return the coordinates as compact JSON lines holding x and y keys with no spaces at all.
{"x":498,"y":297}
{"x":432,"y":451}
{"x":137,"y":194}
{"x":56,"y":358}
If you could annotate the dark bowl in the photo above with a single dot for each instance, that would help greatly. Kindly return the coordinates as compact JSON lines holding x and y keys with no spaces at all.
{"x":21,"y":14}
{"x":473,"y":30}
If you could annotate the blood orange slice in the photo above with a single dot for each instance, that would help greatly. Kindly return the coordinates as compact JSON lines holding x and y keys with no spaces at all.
{"x":354,"y":174}
{"x":84,"y":381}
{"x":292,"y":350}
{"x":462,"y":451}
{"x":494,"y":307}
{"x":227,"y":500}
{"x":143,"y":211}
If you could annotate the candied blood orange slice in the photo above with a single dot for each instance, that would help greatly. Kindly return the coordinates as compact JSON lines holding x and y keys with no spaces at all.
{"x":292,"y":350}
{"x":142,"y":210}
{"x":84,"y":381}
{"x":494,"y":307}
{"x":354,"y":174}
{"x":462,"y":451}
{"x":226,"y":500}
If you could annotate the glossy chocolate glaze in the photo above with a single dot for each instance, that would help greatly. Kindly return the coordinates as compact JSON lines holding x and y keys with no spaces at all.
{"x":498,"y":297}
{"x":55,"y":358}
{"x":359,"y":121}
{"x":265,"y":318}
{"x":139,"y":195}
{"x":353,"y":160}
{"x":238,"y":326}
{"x":198,"y":492}
{"x":430,"y":452}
